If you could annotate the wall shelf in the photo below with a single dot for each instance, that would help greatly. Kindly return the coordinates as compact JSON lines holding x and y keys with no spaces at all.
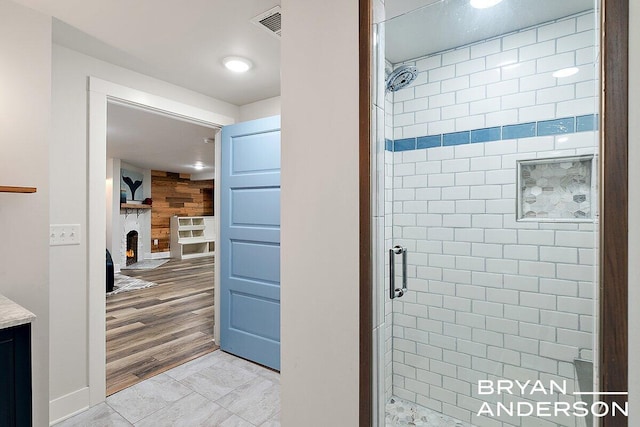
{"x":6,"y":189}
{"x":133,"y":206}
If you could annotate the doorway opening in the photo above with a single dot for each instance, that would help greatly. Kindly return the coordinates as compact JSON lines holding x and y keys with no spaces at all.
{"x":101,"y":94}
{"x":159,"y":177}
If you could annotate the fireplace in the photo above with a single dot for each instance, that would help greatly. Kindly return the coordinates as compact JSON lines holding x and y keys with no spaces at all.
{"x":132,"y":247}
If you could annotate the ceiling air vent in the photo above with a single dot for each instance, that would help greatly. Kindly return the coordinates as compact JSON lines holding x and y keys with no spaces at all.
{"x":271,"y":21}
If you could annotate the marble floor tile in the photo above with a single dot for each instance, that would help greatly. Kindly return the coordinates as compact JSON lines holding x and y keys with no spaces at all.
{"x":218,"y":380}
{"x":236,"y":421}
{"x":255,"y":368}
{"x":256,"y":401}
{"x":196,"y":365}
{"x":147,"y":397}
{"x":101,"y":415}
{"x":270,"y":375}
{"x":218,"y":389}
{"x":250,"y":366}
{"x":273,"y":422}
{"x":402,"y":413}
{"x":190,"y":411}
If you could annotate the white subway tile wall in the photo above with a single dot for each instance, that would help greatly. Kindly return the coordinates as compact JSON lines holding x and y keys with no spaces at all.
{"x":490,"y":297}
{"x":503,"y":81}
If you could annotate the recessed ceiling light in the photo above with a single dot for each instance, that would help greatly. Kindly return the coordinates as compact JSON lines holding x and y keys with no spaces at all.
{"x":198,"y":166}
{"x":565,"y":72}
{"x":237,"y":64}
{"x":483,"y":4}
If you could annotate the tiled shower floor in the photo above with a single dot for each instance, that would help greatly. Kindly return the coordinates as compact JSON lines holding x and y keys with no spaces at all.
{"x":403,"y":413}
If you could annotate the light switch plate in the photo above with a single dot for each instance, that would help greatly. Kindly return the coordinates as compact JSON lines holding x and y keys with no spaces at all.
{"x":64,"y":234}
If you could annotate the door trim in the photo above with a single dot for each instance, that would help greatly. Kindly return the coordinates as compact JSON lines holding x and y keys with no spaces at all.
{"x":614,"y":143}
{"x":613,"y":344}
{"x":100,"y":93}
{"x":366,"y":265}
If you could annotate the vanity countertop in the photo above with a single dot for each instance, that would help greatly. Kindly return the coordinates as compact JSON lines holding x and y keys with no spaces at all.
{"x":12,"y":314}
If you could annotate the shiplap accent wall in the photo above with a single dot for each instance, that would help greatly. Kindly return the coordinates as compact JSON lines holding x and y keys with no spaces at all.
{"x":176,"y":194}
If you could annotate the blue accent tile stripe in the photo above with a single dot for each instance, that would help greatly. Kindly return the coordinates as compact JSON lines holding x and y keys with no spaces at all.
{"x":388,"y":145}
{"x":524,"y":130}
{"x":557,"y":126}
{"x":587,"y":123}
{"x":455,"y":138}
{"x":405,"y":144}
{"x":429,"y":141}
{"x":584,"y":123}
{"x":486,"y":134}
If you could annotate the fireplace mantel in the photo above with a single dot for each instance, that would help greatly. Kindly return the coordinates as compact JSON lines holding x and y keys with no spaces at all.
{"x":134,"y":206}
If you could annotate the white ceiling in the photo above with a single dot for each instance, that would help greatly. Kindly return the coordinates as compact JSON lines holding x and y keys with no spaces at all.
{"x":446,"y":24}
{"x":182,"y":42}
{"x":153,"y":141}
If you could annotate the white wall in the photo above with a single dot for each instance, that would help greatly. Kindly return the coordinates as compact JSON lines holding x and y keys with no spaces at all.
{"x":69,"y":154}
{"x":25,"y":108}
{"x":634,"y":207}
{"x":319,"y":277}
{"x":260,"y":109}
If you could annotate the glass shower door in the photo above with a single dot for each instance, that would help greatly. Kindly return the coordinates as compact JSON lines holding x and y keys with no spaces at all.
{"x":490,"y":211}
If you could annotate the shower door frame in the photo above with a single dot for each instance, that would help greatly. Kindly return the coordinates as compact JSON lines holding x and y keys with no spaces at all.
{"x":613,"y":253}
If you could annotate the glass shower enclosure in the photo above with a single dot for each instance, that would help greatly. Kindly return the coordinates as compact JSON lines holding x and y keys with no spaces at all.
{"x":486,"y":213}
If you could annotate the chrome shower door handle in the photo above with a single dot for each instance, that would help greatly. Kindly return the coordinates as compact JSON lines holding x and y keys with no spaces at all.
{"x":392,"y":274}
{"x":393,"y":291}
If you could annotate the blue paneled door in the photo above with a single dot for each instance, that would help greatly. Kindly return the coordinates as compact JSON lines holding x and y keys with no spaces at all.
{"x":249,"y":247}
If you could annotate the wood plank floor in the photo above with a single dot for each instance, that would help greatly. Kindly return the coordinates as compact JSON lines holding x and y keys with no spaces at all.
{"x":152,"y":330}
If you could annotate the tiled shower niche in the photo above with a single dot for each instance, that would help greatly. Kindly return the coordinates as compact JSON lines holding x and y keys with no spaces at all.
{"x":558,"y":189}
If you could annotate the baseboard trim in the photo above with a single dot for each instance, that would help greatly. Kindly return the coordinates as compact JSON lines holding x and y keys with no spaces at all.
{"x":68,"y":405}
{"x":160,"y":255}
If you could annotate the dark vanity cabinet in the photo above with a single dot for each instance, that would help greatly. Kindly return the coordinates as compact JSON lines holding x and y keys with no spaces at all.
{"x":15,"y":376}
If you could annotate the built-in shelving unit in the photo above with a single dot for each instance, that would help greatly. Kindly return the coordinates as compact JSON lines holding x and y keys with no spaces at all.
{"x":6,"y":189}
{"x":192,"y":236}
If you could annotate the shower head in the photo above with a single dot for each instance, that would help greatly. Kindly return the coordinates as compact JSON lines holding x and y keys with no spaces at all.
{"x":401,"y":77}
